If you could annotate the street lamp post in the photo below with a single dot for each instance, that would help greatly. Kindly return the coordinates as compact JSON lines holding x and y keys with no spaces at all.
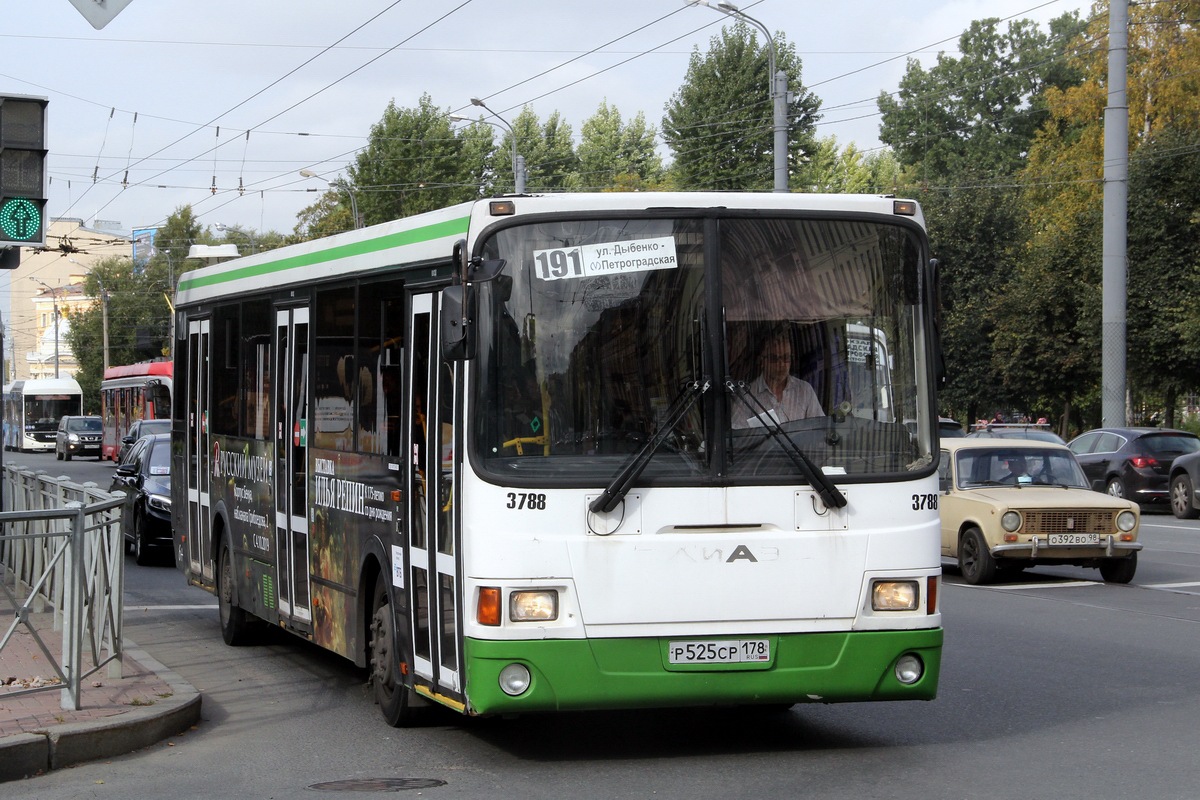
{"x":778,"y":87}
{"x":337,"y":184}
{"x":54,"y":298}
{"x":518,"y":161}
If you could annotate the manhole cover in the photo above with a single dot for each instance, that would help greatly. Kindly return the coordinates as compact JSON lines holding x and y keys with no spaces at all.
{"x":378,"y":785}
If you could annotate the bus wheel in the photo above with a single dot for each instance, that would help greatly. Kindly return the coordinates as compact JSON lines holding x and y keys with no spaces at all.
{"x":394,"y":698}
{"x":234,"y":625}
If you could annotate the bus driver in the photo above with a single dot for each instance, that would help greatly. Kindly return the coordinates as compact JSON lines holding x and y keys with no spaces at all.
{"x":782,"y":394}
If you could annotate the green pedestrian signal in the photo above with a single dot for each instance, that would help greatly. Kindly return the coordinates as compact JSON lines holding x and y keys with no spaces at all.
{"x":23,"y":179}
{"x":20,"y":220}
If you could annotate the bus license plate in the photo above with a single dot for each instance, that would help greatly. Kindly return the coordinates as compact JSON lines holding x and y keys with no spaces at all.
{"x":723,"y":651}
{"x":1074,"y":538}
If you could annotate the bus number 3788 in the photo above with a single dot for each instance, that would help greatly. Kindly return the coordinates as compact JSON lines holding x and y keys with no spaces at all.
{"x":527,"y":501}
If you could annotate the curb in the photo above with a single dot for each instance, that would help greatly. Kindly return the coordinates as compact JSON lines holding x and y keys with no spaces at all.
{"x":29,"y":754}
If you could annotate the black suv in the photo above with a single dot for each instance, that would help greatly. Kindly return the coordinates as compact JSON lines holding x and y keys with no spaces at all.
{"x":78,"y":436}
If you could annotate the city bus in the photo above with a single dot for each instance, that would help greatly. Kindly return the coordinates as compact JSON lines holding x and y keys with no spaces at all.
{"x":129,"y":393}
{"x":33,"y":408}
{"x":508,"y":456}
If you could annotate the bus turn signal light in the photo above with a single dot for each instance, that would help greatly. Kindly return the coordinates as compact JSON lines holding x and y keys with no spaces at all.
{"x":488,"y":612}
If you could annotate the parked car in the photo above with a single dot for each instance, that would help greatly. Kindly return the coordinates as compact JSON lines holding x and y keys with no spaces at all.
{"x":78,"y":436}
{"x":1132,"y":462}
{"x":1014,"y":430}
{"x":950,"y":428}
{"x":139,"y":429}
{"x":145,"y":477}
{"x":1185,"y":477}
{"x":1008,"y":504}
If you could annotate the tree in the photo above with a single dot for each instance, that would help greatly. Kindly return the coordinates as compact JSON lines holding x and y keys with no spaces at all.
{"x":415,"y":162}
{"x":978,"y":112}
{"x":1064,"y":175}
{"x":613,"y":153}
{"x":548,"y":149}
{"x":839,"y":171}
{"x":719,"y":125}
{"x":139,"y":318}
{"x":1164,"y":265}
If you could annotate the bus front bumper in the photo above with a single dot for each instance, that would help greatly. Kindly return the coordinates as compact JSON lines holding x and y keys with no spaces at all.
{"x":579,"y":674}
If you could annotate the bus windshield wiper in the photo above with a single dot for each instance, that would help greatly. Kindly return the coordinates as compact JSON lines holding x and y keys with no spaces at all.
{"x":623,"y":480}
{"x":826,"y":488}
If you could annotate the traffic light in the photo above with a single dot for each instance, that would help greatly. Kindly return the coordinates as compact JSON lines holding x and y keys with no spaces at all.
{"x":23,"y":170}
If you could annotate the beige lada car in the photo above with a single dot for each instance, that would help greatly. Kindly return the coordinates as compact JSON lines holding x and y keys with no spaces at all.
{"x":1008,"y":504}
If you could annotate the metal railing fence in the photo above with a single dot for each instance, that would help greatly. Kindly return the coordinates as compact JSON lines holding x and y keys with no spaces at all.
{"x":62,"y":557}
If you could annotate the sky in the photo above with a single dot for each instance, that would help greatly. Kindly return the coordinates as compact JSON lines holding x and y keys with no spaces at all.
{"x":171,"y":97}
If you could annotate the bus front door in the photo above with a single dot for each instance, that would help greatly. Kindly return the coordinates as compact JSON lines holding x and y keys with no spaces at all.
{"x":433,"y":572}
{"x":200,"y":555}
{"x":291,"y":464}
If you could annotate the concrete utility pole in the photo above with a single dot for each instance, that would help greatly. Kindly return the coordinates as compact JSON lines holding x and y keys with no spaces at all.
{"x":777,"y":86}
{"x":1116,"y":202}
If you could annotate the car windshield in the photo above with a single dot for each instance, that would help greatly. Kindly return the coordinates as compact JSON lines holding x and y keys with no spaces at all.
{"x":84,"y":425}
{"x":1027,"y":466}
{"x":598,"y":329}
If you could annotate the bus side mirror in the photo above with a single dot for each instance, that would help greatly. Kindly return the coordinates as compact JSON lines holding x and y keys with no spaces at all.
{"x":456,"y":323}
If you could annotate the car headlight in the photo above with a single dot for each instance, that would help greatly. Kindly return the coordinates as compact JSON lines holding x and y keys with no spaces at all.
{"x":1126,"y":521}
{"x":73,"y":438}
{"x":159,"y":502}
{"x":895,"y":596}
{"x":531,"y":605}
{"x":1011,"y":521}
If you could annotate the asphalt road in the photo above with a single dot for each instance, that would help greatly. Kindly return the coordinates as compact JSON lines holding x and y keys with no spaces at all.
{"x":1053,"y":685}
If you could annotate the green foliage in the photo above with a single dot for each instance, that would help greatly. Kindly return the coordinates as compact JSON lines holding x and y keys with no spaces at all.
{"x":719,"y":125}
{"x":613,"y":153}
{"x":138,"y":326}
{"x":415,"y":162}
{"x":1164,"y":263}
{"x":978,"y":112}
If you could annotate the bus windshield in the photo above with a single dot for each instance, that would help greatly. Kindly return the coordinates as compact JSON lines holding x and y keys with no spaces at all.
{"x":808,"y":331}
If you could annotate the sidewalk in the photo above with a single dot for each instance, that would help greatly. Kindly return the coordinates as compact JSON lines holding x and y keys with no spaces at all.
{"x":117,"y":715}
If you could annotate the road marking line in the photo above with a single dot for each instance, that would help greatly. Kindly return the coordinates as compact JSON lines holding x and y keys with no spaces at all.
{"x":1170,"y":585}
{"x":1057,"y":585}
{"x":171,"y":608}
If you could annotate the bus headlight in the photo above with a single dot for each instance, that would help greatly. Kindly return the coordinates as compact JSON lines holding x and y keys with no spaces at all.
{"x":533,"y":605}
{"x":909,"y":669}
{"x":1011,"y":521}
{"x":514,"y":679}
{"x":1126,"y":521}
{"x":895,"y":596}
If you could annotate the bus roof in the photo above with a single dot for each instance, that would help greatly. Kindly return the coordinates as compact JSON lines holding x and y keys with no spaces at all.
{"x":430,"y":237}
{"x":45,"y":386}
{"x":160,"y":367}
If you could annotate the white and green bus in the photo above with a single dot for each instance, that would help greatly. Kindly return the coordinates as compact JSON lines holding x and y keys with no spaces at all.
{"x":514,"y":455}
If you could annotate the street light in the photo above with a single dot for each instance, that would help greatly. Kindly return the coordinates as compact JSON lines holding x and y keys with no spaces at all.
{"x":54,"y":296}
{"x":518,"y":161}
{"x":778,"y":87}
{"x":337,"y":183}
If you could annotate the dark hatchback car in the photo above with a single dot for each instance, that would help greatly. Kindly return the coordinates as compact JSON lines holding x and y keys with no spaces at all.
{"x":1134,"y":463}
{"x":1185,"y":478}
{"x":77,"y":436}
{"x":145,"y":477}
{"x":143,"y":427}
